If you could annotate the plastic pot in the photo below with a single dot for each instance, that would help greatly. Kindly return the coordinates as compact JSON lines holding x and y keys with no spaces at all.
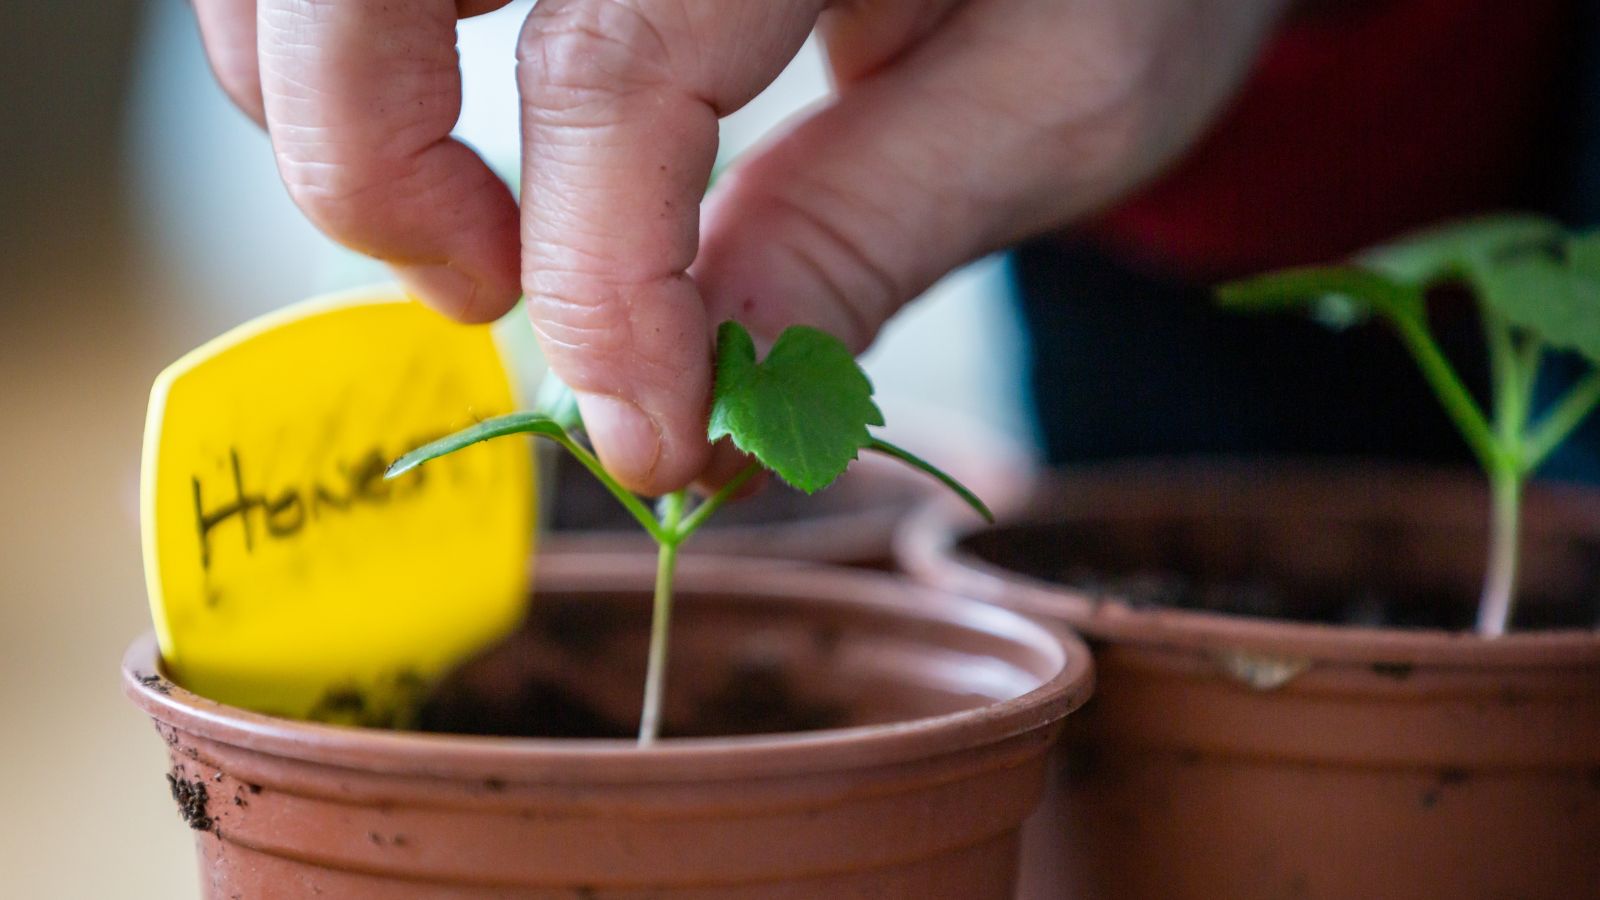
{"x":941,"y":711}
{"x":1240,"y":756}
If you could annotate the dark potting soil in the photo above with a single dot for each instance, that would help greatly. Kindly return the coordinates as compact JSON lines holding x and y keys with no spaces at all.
{"x":1094,"y":559}
{"x":534,"y":708}
{"x":752,"y":701}
{"x":558,"y":677}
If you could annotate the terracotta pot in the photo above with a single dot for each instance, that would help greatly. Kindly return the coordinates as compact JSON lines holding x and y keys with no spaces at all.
{"x":852,"y":522}
{"x":943,"y":711}
{"x":1235,"y":756}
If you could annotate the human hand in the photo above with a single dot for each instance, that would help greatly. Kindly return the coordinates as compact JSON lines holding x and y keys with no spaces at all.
{"x":959,"y":126}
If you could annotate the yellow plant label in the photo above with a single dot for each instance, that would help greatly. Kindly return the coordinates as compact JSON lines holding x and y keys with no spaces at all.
{"x":285,"y":574}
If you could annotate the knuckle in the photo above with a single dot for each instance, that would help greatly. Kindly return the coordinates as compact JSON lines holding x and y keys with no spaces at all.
{"x":336,"y":174}
{"x":604,"y":330}
{"x":570,"y":52}
{"x":340,"y":195}
{"x":582,"y":316}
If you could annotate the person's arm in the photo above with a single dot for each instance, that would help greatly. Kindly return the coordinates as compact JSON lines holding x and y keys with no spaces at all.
{"x":959,"y":126}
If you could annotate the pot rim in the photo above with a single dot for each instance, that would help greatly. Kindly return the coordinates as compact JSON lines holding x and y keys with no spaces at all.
{"x":927,"y":547}
{"x":672,"y":759}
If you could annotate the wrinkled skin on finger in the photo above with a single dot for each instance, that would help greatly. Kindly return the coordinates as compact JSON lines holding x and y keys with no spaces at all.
{"x":957,"y":127}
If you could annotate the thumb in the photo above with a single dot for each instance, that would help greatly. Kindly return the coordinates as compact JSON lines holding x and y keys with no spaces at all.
{"x":1012,"y":118}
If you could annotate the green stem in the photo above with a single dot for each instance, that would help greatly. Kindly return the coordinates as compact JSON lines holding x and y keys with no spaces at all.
{"x":1499,"y":586}
{"x":1515,"y":370}
{"x":1500,"y":447}
{"x":713,"y":503}
{"x":916,"y":462}
{"x":674,"y":528}
{"x":1505,"y":371}
{"x":1452,"y":393}
{"x":1557,"y":424}
{"x":655,"y":678}
{"x":627,"y":498}
{"x":1530,"y":356}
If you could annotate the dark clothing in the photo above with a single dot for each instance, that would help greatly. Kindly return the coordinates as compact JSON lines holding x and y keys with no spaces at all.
{"x":1127,"y":364}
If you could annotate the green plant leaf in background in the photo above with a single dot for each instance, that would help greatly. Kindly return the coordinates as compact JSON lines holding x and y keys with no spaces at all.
{"x":802,"y":412}
{"x":1537,"y":289}
{"x":1583,"y":254}
{"x":1556,"y":299}
{"x":1310,"y":286}
{"x":1461,"y":248}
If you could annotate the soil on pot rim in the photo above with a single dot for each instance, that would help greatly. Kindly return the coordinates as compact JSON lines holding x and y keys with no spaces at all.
{"x":192,"y":797}
{"x":1224,"y":566}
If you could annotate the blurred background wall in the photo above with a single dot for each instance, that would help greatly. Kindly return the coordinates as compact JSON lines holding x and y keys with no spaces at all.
{"x":141,"y":215}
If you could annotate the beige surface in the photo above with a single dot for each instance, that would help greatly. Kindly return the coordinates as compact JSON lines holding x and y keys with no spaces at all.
{"x":86,"y":808}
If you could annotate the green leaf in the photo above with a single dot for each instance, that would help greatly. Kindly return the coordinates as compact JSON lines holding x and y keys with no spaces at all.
{"x":1461,"y":249}
{"x":499,"y":426}
{"x":1583,"y":254}
{"x":917,"y":462}
{"x":535,"y":423}
{"x":1549,"y":298}
{"x":1309,"y":287}
{"x":803,"y":411}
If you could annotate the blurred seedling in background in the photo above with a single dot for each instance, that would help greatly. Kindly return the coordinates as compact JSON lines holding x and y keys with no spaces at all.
{"x":1537,"y":290}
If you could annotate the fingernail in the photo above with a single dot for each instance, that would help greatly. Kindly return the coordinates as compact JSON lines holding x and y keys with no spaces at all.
{"x":446,"y":289}
{"x":627,"y":440}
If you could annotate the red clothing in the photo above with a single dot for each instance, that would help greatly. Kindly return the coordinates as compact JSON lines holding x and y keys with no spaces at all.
{"x":1361,"y":120}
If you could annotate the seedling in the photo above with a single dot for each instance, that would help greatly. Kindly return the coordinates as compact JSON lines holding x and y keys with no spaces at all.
{"x":802,"y":413}
{"x":1537,"y":290}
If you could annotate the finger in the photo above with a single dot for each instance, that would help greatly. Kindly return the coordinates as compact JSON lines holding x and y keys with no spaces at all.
{"x":228,"y":31}
{"x":359,"y":100}
{"x":1009,"y":120}
{"x":863,"y":36}
{"x":466,"y":9}
{"x":620,"y":107}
